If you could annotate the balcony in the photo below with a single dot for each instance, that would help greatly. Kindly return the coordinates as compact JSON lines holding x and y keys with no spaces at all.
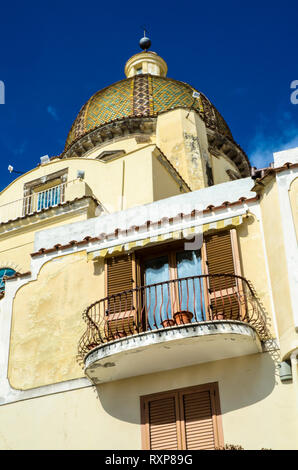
{"x":171,"y":324}
{"x":40,"y":202}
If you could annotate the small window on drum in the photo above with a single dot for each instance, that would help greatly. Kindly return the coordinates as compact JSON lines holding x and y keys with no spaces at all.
{"x":5,"y":272}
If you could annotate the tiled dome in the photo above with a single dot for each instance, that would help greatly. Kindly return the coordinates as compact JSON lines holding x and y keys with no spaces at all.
{"x":142,"y":95}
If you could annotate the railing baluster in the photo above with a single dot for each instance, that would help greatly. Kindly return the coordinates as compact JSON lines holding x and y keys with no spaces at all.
{"x":222,"y":313}
{"x":225,"y":284}
{"x":180,"y":299}
{"x":118,"y":314}
{"x":155,"y":305}
{"x":161,"y":304}
{"x":35,"y":202}
{"x":148,"y":308}
{"x":201,"y":284}
{"x":143,"y":319}
{"x":129,"y":308}
{"x":187,"y":297}
{"x":168,"y":302}
{"x":194,"y":300}
{"x":175,"y":300}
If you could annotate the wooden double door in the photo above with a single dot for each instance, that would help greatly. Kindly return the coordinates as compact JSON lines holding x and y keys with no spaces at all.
{"x":214,"y":292}
{"x":175,"y":285}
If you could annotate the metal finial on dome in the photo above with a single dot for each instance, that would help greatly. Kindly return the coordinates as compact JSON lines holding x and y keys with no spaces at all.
{"x":145,"y":42}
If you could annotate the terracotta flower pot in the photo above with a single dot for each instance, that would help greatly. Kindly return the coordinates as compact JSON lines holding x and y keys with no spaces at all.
{"x":183,"y":317}
{"x":218,"y":316}
{"x":167,"y":323}
{"x":119,"y":334}
{"x":91,"y":346}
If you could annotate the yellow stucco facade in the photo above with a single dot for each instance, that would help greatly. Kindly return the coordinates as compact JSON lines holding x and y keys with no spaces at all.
{"x":54,"y":361}
{"x":294,"y":203}
{"x":83,"y":282}
{"x":276,"y":255}
{"x":75,"y":420}
{"x":138,"y":190}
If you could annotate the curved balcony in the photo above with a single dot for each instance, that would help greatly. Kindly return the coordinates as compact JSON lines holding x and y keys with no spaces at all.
{"x":171,"y":324}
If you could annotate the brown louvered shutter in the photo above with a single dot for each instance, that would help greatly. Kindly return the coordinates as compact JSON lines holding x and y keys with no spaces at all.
{"x":119,"y":278}
{"x":120,"y":308}
{"x":224,"y":291}
{"x":220,"y":256}
{"x":185,"y":419}
{"x":198,"y":417}
{"x":163,"y":426}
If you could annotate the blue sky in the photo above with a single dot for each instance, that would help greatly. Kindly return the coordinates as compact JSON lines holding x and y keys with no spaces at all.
{"x":55,"y":55}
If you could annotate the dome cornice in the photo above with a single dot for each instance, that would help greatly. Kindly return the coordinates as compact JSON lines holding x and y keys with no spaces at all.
{"x":133,"y":126}
{"x":115,"y":130}
{"x":219,"y":144}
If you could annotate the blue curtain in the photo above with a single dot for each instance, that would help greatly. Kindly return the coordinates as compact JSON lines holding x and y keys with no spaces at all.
{"x":191,"y":292}
{"x":158,"y":302}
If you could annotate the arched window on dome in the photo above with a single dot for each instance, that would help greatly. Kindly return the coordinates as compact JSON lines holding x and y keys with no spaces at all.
{"x":5,"y":272}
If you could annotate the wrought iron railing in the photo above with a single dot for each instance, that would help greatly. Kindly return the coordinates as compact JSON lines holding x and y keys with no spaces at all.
{"x":190,"y":300}
{"x":35,"y":202}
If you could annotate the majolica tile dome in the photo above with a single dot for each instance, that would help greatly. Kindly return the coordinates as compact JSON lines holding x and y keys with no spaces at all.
{"x":143,"y":94}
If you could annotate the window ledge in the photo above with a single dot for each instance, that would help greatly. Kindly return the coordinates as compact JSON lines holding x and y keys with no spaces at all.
{"x":53,"y":211}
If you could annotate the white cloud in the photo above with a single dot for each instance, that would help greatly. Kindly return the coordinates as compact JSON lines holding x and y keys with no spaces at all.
{"x":264,"y":144}
{"x":52,"y":112}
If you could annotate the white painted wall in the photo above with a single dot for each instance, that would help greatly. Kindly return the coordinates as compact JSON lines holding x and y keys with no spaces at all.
{"x":230,"y":191}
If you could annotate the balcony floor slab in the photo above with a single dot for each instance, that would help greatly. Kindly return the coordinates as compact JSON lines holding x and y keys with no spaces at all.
{"x":170,"y":348}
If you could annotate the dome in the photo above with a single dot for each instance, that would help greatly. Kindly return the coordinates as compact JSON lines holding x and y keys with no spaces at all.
{"x":142,"y":95}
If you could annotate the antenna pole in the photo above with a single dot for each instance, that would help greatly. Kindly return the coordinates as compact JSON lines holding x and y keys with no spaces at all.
{"x":190,"y":108}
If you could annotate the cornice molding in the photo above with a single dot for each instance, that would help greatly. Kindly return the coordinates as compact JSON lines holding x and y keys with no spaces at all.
{"x":219,"y":144}
{"x":30,"y":220}
{"x":129,"y":126}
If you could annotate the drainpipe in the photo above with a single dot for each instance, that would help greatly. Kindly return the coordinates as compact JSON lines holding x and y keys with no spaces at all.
{"x":123,"y":180}
{"x":294,"y":363}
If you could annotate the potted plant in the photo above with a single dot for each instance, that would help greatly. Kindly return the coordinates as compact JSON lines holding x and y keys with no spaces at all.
{"x":183,"y":317}
{"x":91,"y":346}
{"x":168,"y":322}
{"x":119,"y":334}
{"x":218,"y":316}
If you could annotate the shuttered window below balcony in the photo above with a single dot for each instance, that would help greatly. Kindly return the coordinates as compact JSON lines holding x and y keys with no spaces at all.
{"x":186,"y":419}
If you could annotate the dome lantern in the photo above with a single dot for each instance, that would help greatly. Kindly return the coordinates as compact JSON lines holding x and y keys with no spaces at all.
{"x":146,"y":62}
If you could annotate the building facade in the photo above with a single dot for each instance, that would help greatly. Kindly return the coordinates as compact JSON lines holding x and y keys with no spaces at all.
{"x":149,"y":281}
